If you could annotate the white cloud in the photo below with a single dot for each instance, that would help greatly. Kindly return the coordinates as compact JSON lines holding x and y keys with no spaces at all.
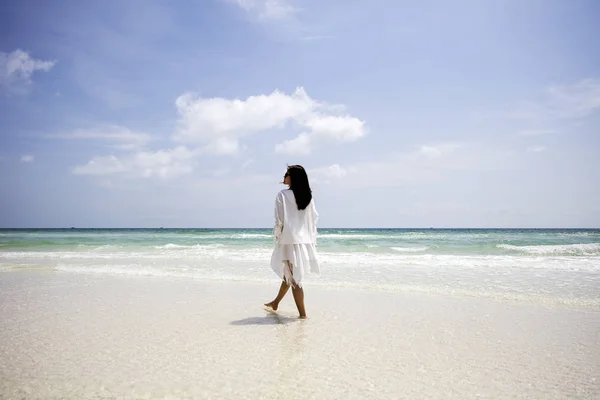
{"x":275,"y":9}
{"x":28,"y":158}
{"x":145,"y":164}
{"x":223,"y":146}
{"x":326,"y":174}
{"x":266,"y":9}
{"x":343,"y":129}
{"x":17,"y":67}
{"x":323,"y":128}
{"x":100,"y":166}
{"x":430,"y":151}
{"x":215,"y":126}
{"x":124,"y":137}
{"x":220,"y":123}
{"x":562,"y":102}
{"x":207,"y":119}
{"x":537,"y":149}
{"x":297,"y":146}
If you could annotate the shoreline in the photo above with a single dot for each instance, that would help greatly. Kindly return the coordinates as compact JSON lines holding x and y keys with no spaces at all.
{"x":574,"y":303}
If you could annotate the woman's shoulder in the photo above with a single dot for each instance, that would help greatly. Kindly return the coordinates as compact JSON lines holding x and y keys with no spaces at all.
{"x":283,"y":193}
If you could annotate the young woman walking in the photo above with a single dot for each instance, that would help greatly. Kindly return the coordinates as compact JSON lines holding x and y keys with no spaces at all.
{"x":296,"y":235}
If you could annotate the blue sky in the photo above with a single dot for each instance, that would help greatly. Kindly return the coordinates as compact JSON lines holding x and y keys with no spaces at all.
{"x":147,"y":113}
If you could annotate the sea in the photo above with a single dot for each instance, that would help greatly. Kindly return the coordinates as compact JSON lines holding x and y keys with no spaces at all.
{"x":550,"y":266}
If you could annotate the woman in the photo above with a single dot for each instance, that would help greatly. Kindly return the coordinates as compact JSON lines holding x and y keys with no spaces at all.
{"x":296,"y":236}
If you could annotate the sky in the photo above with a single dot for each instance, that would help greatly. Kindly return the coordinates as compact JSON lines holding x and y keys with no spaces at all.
{"x":156,"y":113}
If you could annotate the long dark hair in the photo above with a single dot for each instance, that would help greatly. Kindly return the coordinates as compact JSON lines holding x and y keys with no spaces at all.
{"x":300,"y":185}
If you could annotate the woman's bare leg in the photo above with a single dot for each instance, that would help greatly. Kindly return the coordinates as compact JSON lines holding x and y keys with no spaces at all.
{"x":282,"y":291}
{"x":298,"y":293}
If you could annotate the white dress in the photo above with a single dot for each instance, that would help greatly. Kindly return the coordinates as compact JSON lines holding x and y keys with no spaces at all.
{"x":295,"y":252}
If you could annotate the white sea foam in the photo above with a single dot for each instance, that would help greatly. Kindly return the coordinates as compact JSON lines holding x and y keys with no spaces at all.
{"x":173,"y":246}
{"x":545,"y":258}
{"x":527,"y":278}
{"x":582,"y":249}
{"x":410,"y":249}
{"x":371,"y":236}
{"x":360,"y":259}
{"x":522,"y":272}
{"x":232,"y":236}
{"x":251,"y":236}
{"x":406,"y":235}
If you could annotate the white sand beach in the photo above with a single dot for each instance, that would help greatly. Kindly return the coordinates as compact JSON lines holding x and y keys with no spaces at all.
{"x":78,"y":336}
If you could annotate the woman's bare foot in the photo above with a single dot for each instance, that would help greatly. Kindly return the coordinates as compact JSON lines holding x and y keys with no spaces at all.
{"x":302,"y":317}
{"x":282,"y":291}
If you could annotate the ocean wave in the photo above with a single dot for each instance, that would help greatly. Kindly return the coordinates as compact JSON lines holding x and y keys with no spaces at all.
{"x":173,"y":246}
{"x":546,"y":258}
{"x":229,"y":236}
{"x":234,"y":236}
{"x":375,"y":236}
{"x":410,"y":249}
{"x":351,"y":236}
{"x":404,"y":236}
{"x":579,"y":249}
{"x":165,"y":252}
{"x":103,"y":247}
{"x":251,"y":236}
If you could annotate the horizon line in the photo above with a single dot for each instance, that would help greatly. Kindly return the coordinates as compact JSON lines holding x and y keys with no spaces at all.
{"x":270,"y":228}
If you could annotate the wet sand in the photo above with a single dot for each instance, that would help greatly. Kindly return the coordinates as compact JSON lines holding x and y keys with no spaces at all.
{"x":77,"y":336}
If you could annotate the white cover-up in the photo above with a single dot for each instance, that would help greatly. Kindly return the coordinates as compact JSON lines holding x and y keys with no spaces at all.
{"x":296,"y":237}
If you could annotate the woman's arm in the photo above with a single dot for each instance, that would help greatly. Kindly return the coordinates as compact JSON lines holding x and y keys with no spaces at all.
{"x":279,"y":216}
{"x":316,"y":219}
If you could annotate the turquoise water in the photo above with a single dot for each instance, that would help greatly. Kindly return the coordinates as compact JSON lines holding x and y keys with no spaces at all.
{"x":425,"y":241}
{"x":547,"y":265}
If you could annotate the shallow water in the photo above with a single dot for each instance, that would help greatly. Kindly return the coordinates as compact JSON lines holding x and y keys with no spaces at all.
{"x":540,"y":266}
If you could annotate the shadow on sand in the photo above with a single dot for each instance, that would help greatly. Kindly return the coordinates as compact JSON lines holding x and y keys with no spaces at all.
{"x":270,"y":319}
